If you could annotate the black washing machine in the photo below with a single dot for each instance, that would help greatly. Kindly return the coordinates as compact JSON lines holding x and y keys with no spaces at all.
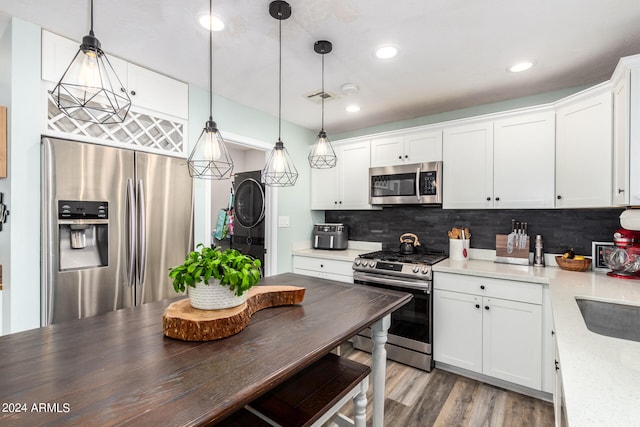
{"x":249,"y":209}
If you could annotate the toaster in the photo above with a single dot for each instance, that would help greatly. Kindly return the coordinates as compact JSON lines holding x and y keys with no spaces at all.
{"x":330,"y":236}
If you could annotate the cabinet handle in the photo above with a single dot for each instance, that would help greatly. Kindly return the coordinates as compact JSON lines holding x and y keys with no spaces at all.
{"x":335,"y":202}
{"x":557,"y":366}
{"x":406,"y":157}
{"x":400,"y":157}
{"x":133,"y":92}
{"x":488,"y":199}
{"x":481,"y":286}
{"x":620,"y":190}
{"x":477,"y":305}
{"x":486,"y":307}
{"x":497,"y":199}
{"x":321,"y":265}
{"x":553,"y":332}
{"x":559,"y":197}
{"x":122,"y":89}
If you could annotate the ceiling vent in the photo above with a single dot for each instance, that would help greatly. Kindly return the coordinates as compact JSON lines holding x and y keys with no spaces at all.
{"x":317,"y":96}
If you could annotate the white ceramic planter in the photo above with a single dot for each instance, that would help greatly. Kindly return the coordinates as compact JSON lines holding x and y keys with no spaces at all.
{"x":213,"y":296}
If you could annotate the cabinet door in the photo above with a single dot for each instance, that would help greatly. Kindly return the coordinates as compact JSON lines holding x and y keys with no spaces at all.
{"x":324,"y":187}
{"x":584,"y":153}
{"x":387,"y":151}
{"x":423,"y":147}
{"x":523,"y":160}
{"x":467,"y":154}
{"x":634,"y":137}
{"x":354,"y":163}
{"x":512,"y":341}
{"x":620,"y":188}
{"x":157,"y":92}
{"x":548,"y":342}
{"x":457,"y":329}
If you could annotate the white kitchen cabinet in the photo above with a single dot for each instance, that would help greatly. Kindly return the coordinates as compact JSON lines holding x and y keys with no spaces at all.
{"x":489,"y":326}
{"x":345,"y":186}
{"x":407,"y":148}
{"x":626,"y":132}
{"x":548,"y":342}
{"x":467,"y":154}
{"x":341,"y":271}
{"x":523,"y":161}
{"x":584,"y":151}
{"x":147,"y":89}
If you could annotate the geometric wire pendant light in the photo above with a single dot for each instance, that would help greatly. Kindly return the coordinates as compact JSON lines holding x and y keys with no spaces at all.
{"x":279,"y":170}
{"x":322,"y":155}
{"x":89,"y":90}
{"x":210,"y":158}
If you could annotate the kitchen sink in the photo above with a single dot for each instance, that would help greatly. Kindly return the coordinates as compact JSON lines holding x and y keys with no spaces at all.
{"x":611,"y":319}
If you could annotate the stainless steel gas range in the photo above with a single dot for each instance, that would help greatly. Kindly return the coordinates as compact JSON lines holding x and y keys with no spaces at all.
{"x":411,"y":333}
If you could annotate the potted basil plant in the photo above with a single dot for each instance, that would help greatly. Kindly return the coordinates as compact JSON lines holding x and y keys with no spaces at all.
{"x":215,"y":278}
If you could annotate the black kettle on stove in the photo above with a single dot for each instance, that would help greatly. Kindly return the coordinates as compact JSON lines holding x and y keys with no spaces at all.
{"x":408,"y":243}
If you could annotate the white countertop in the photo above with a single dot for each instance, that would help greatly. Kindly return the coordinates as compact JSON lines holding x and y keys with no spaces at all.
{"x":601,"y":375}
{"x":354,"y":248}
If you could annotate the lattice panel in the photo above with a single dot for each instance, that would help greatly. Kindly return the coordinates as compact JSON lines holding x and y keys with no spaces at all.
{"x":138,"y":129}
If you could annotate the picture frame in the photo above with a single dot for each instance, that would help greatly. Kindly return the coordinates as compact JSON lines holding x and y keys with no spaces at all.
{"x":598,"y":264}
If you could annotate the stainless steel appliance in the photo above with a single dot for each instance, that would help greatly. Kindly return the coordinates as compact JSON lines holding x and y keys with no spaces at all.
{"x":414,"y":184}
{"x":249,"y":208}
{"x":410,"y":336}
{"x":114,"y":221}
{"x":330,"y":236}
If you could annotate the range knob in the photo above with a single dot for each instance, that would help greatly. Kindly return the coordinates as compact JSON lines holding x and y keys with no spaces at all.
{"x":365,"y":263}
{"x":416,"y":268}
{"x":425,"y":270}
{"x":357,"y":261}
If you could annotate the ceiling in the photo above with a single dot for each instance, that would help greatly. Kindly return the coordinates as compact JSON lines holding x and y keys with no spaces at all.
{"x":452,"y":53}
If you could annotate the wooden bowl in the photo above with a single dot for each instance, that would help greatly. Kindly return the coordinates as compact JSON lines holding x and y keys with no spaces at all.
{"x":573,"y":264}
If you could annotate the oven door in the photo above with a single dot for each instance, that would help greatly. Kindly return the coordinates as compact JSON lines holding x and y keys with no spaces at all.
{"x":411,"y":323}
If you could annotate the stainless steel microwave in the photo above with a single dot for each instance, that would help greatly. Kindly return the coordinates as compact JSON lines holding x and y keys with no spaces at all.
{"x":414,"y":184}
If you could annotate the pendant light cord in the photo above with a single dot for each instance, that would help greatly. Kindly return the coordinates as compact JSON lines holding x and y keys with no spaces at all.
{"x":322,"y":95}
{"x":280,"y":79}
{"x":210,"y":60}
{"x":91,"y":29}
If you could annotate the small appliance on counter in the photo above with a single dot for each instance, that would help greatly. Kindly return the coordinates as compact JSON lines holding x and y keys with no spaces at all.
{"x":330,"y":236}
{"x":624,"y":257}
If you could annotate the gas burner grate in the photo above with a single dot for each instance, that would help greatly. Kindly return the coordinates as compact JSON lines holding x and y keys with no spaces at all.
{"x":428,"y":257}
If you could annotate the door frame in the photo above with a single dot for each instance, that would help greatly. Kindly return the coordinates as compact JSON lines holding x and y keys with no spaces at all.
{"x":271,"y":203}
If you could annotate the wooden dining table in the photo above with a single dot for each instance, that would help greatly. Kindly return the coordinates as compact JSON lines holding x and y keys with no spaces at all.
{"x":119,"y":368}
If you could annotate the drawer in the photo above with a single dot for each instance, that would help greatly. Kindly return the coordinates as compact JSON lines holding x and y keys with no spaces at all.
{"x":489,"y":287}
{"x":332,"y":266}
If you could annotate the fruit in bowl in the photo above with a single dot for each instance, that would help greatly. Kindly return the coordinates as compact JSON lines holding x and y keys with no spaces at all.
{"x":576,"y":263}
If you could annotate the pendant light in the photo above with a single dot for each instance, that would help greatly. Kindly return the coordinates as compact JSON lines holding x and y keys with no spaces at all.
{"x":89,"y":90}
{"x":210,"y":158}
{"x":322,"y":155}
{"x":279,"y":170}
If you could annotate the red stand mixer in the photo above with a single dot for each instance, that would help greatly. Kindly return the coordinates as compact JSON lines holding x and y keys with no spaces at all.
{"x":624,"y":258}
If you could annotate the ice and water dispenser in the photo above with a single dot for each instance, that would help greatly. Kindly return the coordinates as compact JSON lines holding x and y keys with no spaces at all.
{"x":83,"y":232}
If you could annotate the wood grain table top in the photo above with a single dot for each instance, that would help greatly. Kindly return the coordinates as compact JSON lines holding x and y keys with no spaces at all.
{"x":119,"y":368}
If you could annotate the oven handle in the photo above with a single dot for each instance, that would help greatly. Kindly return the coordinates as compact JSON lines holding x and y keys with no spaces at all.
{"x":386,"y":280}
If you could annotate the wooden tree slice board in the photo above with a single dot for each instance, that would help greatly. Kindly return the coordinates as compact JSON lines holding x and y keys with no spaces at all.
{"x":183,"y":322}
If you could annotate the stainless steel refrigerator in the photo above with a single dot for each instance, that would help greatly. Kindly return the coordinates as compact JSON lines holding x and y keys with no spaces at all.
{"x":113,"y":222}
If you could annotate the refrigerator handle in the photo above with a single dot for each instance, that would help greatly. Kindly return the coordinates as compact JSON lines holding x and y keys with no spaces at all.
{"x":131,"y":235}
{"x":142,"y":236}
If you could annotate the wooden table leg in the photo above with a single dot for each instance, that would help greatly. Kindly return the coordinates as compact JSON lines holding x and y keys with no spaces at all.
{"x":379,"y":336}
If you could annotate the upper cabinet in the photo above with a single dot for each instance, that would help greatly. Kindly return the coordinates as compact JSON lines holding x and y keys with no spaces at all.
{"x":147,"y":89}
{"x":626,"y":132}
{"x":345,"y":186}
{"x":406,"y":148}
{"x":584,"y":159}
{"x":502,"y":163}
{"x":467,"y":156}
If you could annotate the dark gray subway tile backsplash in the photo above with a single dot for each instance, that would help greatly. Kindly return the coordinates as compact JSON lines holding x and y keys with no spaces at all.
{"x":560,"y":228}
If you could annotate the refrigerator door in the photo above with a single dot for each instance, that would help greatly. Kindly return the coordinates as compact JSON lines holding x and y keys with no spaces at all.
{"x":165,"y":228}
{"x":83,"y":172}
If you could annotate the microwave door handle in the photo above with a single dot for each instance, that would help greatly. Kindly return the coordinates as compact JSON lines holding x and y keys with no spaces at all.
{"x":418,"y":184}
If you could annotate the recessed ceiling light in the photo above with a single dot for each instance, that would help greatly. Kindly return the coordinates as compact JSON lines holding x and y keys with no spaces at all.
{"x":353,"y":108}
{"x":386,"y":51}
{"x":520,"y":66}
{"x":211,"y":22}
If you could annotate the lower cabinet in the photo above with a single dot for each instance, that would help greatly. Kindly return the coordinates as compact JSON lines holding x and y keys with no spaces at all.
{"x":489,"y":326}
{"x":341,"y":271}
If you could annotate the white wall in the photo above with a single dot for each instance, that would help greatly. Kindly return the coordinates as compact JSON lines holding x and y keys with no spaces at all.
{"x":20,"y":239}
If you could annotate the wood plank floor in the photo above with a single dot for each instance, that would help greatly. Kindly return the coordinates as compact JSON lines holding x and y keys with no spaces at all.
{"x":415,"y":398}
